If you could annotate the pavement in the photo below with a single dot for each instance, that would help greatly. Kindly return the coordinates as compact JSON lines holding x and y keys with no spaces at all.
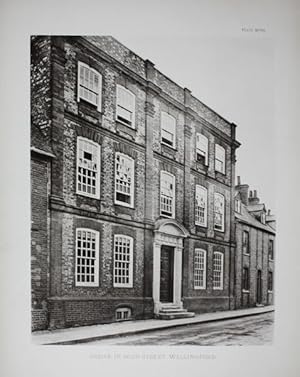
{"x":85,"y":334}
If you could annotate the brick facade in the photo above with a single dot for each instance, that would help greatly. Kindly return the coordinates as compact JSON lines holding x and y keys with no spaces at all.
{"x":257,"y":258}
{"x":59,"y":121}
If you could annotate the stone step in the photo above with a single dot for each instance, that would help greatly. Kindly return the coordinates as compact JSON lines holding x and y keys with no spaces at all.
{"x":172,"y":310}
{"x":177,"y":315}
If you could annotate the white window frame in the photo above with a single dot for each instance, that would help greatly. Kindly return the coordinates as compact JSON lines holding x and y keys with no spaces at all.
{"x":95,"y":91}
{"x":220,"y":287}
{"x":89,"y":144}
{"x":223,"y":214}
{"x":202,"y":147}
{"x":269,"y":243}
{"x":165,"y":128}
{"x":270,"y":291}
{"x":120,"y":107}
{"x":248,"y":280}
{"x":199,"y":253}
{"x":198,"y":190}
{"x":238,"y":205}
{"x":131,"y":193}
{"x":122,"y":311}
{"x":172,"y":215}
{"x":129,"y":284}
{"x":246,"y":247}
{"x":220,"y":156}
{"x":88,"y":259}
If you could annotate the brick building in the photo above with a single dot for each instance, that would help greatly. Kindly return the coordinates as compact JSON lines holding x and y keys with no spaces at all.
{"x":255,"y":241}
{"x":132,"y":189}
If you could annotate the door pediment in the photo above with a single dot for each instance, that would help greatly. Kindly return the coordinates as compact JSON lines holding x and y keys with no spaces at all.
{"x":171,"y":227}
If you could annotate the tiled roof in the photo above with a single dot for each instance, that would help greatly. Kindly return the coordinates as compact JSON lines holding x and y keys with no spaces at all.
{"x":255,"y":207}
{"x":246,"y":217}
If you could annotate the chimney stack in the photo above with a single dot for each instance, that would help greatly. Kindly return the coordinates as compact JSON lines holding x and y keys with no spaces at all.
{"x":269,"y":212}
{"x":253,"y":199}
{"x":250,"y":194}
{"x":243,"y":190}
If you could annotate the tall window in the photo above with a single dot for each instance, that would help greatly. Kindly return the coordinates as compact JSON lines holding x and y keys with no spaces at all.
{"x":246,"y":249}
{"x":168,"y":129}
{"x":218,"y":270}
{"x":219,"y":211}
{"x":200,"y":269}
{"x":246,"y":283}
{"x":87,"y":258}
{"x":167,"y":194}
{"x":124,"y":180}
{"x":271,"y":249}
{"x":219,"y":158}
{"x":89,"y":85}
{"x":237,"y":205}
{"x":201,"y":206}
{"x":123,"y":261}
{"x":270,"y":281}
{"x":202,"y":148}
{"x":88,"y":168}
{"x":125,"y":106}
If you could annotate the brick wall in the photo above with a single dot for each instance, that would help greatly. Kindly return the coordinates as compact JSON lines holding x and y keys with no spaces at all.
{"x":39,"y":242}
{"x":40,"y":85}
{"x":256,"y":260}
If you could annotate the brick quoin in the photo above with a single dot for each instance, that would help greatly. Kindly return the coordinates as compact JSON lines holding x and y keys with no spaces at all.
{"x":59,"y":118}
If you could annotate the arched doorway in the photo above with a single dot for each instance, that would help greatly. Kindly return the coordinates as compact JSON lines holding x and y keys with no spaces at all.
{"x":167,"y":262}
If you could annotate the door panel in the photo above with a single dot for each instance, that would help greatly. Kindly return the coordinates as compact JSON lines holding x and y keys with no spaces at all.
{"x":166,"y":274}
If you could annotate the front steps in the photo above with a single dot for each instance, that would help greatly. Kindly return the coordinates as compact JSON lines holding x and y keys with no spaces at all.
{"x":173,"y":311}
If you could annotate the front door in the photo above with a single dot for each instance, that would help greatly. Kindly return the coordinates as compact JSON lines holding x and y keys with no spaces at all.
{"x":166,"y":274}
{"x":258,"y":287}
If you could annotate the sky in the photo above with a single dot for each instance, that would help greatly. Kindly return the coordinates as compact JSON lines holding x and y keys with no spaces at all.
{"x":235,"y":77}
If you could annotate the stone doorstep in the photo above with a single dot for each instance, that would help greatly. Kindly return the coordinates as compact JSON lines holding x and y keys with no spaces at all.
{"x":172,"y":310}
{"x":176,"y":315}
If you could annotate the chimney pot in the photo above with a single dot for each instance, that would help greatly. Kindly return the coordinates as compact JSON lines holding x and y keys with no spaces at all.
{"x":255,"y":194}
{"x":250,"y":193}
{"x":269,"y":212}
{"x":238,"y":180}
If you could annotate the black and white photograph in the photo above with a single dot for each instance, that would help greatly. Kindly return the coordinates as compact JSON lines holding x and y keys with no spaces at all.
{"x":138,"y":218}
{"x":149,"y":152}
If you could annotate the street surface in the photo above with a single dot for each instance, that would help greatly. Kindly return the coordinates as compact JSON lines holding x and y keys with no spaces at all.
{"x":254,"y":330}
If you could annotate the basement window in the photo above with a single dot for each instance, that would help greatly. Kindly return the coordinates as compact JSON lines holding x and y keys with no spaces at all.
{"x":123,"y":314}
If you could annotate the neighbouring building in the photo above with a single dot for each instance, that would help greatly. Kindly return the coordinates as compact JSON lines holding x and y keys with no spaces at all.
{"x":255,"y":242}
{"x":133,"y":187}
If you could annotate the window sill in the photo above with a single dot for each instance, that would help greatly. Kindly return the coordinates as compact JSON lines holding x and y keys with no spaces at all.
{"x":217,"y":289}
{"x":245,"y":290}
{"x":86,"y":195}
{"x":219,"y":231}
{"x":201,"y":225}
{"x":123,"y":124}
{"x":246,"y":254}
{"x":168,"y":146}
{"x":199,"y":288}
{"x":121,"y":204}
{"x":270,"y":291}
{"x":123,"y":286}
